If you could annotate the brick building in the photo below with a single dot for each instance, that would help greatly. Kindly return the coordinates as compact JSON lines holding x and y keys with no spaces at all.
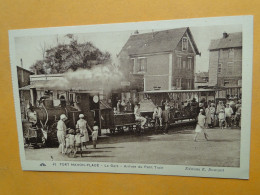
{"x":165,"y":60}
{"x":225,"y":61}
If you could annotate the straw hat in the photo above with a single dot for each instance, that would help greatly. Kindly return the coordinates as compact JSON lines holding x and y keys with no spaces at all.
{"x":201,"y":110}
{"x":81,"y":116}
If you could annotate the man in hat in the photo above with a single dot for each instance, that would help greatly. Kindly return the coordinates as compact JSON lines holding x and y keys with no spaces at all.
{"x":61,"y":133}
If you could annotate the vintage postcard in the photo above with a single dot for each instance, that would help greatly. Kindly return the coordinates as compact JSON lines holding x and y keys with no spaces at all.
{"x":163,"y":97}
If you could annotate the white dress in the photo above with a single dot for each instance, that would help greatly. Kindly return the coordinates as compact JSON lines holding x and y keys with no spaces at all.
{"x":82,"y":125}
{"x":200,"y":125}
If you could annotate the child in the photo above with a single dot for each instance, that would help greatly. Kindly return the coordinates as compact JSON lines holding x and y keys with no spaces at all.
{"x":67,"y":143}
{"x":71,"y":142}
{"x":78,"y":143}
{"x":95,"y":135}
{"x":221,"y":117}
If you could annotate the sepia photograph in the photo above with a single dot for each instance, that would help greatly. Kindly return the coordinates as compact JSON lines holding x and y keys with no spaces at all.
{"x":163,"y":97}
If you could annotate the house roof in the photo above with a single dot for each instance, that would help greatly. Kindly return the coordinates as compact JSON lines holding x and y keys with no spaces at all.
{"x":25,"y":88}
{"x":154,"y":42}
{"x":19,"y":67}
{"x":231,"y":41}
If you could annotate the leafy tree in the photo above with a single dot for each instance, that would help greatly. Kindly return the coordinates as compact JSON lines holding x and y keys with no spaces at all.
{"x":38,"y":67}
{"x":71,"y":56}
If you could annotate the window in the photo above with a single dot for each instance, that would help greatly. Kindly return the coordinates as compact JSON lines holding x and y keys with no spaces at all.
{"x":189,"y":63}
{"x":177,"y":83}
{"x":226,"y":82}
{"x":188,"y":83}
{"x":179,"y":62}
{"x":71,"y":97}
{"x":219,"y":68}
{"x":184,"y":44}
{"x":231,"y":53}
{"x":142,"y":63}
{"x":184,"y":64}
{"x":132,"y":64}
{"x":230,"y":68}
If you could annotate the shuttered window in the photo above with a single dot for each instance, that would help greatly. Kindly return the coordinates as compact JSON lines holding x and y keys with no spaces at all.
{"x":142,"y":63}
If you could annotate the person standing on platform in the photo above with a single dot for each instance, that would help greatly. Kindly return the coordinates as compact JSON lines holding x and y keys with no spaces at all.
{"x":200,"y":127}
{"x":228,"y":114}
{"x":82,"y":126}
{"x":208,"y":117}
{"x":61,"y":133}
{"x":212,"y":113}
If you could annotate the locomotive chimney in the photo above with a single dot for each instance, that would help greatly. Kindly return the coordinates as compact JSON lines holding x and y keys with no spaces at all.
{"x":225,"y":35}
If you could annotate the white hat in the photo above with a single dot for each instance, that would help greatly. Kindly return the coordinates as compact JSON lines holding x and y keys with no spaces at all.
{"x":81,"y":116}
{"x":201,"y":110}
{"x":63,"y":116}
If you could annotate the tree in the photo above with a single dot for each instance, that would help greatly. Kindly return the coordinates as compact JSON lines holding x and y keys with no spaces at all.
{"x":38,"y":67}
{"x":71,"y":56}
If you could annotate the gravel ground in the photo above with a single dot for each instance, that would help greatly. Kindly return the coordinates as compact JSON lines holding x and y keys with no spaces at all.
{"x":174,"y":148}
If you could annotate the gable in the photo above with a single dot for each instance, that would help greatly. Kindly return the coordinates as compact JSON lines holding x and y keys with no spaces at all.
{"x":154,"y":42}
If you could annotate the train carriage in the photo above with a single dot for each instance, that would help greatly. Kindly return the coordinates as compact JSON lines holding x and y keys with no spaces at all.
{"x":183,"y":104}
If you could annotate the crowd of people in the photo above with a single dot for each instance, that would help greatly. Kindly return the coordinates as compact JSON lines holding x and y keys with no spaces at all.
{"x":224,"y":115}
{"x":71,"y":141}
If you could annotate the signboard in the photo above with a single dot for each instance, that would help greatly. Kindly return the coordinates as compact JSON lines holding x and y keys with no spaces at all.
{"x":125,"y":83}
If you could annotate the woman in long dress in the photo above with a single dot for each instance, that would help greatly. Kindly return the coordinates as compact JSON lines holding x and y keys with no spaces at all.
{"x":61,"y":133}
{"x":82,"y":126}
{"x":212,"y":113}
{"x":200,"y":127}
{"x":208,"y":117}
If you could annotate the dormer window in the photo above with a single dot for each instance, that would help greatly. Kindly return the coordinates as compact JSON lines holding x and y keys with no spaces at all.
{"x":184,"y":44}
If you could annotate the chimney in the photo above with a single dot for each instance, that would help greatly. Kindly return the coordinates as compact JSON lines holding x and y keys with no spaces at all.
{"x":225,"y":35}
{"x":136,"y":32}
{"x":21,"y":62}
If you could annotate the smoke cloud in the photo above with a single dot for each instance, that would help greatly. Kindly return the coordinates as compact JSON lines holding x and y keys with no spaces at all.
{"x":99,"y":77}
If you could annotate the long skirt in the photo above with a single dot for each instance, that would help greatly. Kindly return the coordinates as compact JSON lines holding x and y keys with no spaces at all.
{"x":85,"y":138}
{"x":199,"y":129}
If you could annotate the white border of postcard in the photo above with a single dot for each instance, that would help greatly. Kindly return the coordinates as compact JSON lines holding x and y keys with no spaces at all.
{"x":241,"y":172}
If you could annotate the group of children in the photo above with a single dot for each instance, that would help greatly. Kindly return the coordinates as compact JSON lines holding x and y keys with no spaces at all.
{"x":75,"y":141}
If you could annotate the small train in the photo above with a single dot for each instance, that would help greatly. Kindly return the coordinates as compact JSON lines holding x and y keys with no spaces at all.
{"x":40,"y":128}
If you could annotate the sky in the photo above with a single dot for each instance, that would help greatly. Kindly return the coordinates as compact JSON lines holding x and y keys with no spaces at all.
{"x":29,"y":48}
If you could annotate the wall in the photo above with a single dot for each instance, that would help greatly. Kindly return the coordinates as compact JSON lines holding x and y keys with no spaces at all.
{"x":23,"y":77}
{"x":213,"y":67}
{"x":157,"y":74}
{"x":183,"y":72}
{"x":231,"y":67}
